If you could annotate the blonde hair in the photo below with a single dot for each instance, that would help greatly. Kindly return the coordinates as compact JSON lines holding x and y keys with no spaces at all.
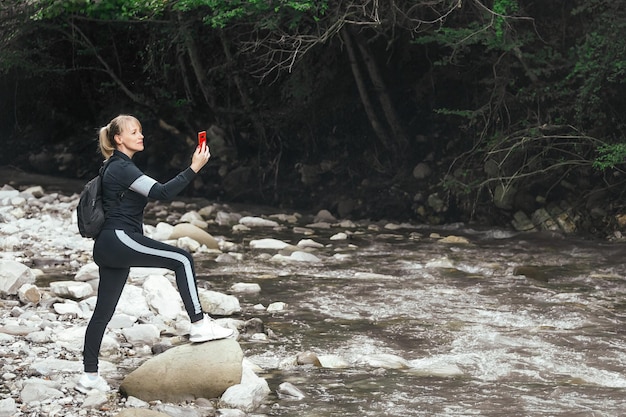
{"x":108,"y":132}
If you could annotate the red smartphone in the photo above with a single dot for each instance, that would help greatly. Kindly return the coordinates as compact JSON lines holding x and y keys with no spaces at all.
{"x":201,"y":138}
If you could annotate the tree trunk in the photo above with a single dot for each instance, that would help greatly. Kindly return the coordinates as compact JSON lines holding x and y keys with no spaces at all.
{"x":245,"y":98}
{"x":180,"y":58}
{"x":196,"y":64}
{"x":400,"y":143}
{"x":378,"y":127}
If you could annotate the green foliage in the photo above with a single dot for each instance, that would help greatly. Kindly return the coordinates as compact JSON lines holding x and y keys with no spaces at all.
{"x":103,"y":9}
{"x":599,"y":72}
{"x":610,"y":155}
{"x":490,"y":32}
{"x":459,"y":40}
{"x":265,"y":14}
{"x":503,"y":8}
{"x":216,"y":13}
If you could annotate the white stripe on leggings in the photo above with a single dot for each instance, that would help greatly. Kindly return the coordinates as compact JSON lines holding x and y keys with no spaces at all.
{"x":136,"y":246}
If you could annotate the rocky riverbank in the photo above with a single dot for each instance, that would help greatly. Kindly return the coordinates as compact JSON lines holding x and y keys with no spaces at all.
{"x":419,"y":196}
{"x":48,"y":284}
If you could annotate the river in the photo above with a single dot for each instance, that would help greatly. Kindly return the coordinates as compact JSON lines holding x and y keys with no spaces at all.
{"x":490,"y":323}
{"x":505,"y":325}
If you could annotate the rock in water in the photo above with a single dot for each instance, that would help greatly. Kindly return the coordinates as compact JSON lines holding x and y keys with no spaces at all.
{"x":194,"y":232}
{"x":199,"y":370}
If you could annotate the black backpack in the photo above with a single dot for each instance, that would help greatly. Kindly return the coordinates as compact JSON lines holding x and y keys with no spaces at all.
{"x":90,"y":212}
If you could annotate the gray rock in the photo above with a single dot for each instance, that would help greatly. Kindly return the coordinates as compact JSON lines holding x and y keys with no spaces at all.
{"x":436,"y":203}
{"x":252,"y":221}
{"x":227,"y":219}
{"x":95,"y":399}
{"x":196,"y":233}
{"x":521,"y":222}
{"x":268,"y":243}
{"x":142,"y":334}
{"x":421,"y":171}
{"x":217,"y":303}
{"x":39,"y":390}
{"x":29,"y":293}
{"x":246,"y":287}
{"x":288,"y":391}
{"x":186,"y":372}
{"x":71,"y":289}
{"x":8,"y":407}
{"x":297,"y":256}
{"x":13,"y":275}
{"x":542,"y":219}
{"x":226,"y":412}
{"x":176,"y":411}
{"x":139,"y":412}
{"x":36,"y":191}
{"x":247,"y":395}
{"x":325,"y":216}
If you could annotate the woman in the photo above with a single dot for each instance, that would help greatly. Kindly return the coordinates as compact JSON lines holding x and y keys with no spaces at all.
{"x":121,"y":243}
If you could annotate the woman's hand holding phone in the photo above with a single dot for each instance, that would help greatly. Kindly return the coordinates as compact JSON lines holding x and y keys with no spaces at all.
{"x":202,"y":154}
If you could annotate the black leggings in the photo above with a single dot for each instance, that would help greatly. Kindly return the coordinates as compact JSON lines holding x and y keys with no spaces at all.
{"x":115,"y":251}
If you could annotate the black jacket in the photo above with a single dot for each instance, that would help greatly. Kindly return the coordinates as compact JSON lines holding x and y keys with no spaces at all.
{"x":126,"y":190}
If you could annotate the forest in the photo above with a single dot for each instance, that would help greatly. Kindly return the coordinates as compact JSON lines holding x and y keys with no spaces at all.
{"x":432,"y":111}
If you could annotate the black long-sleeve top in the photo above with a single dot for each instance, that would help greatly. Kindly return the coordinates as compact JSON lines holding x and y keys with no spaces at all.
{"x":126,"y":190}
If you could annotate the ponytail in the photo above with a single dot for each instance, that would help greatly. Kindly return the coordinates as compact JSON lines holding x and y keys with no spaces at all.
{"x":107,"y":133}
{"x":107,"y":146}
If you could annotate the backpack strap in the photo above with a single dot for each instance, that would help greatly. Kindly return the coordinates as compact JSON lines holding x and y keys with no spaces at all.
{"x":105,"y":165}
{"x":101,"y":172}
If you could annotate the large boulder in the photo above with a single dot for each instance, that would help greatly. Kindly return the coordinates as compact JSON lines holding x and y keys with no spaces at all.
{"x":187,"y":372}
{"x":196,"y":233}
{"x":13,"y":275}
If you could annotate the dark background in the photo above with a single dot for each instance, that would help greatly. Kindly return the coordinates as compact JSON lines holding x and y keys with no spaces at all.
{"x":511,"y":105}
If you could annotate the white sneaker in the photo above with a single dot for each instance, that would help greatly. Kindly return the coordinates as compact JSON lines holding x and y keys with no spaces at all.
{"x":89,"y":382}
{"x":207,"y":329}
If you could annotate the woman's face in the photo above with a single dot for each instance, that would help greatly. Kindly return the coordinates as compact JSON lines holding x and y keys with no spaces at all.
{"x":130,"y":139}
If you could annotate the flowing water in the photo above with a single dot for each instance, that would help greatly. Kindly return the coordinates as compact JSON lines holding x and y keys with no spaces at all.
{"x":505,"y":325}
